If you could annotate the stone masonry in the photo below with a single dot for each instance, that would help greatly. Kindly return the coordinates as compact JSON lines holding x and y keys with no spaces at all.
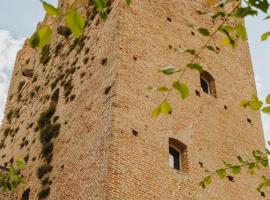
{"x":107,"y":144}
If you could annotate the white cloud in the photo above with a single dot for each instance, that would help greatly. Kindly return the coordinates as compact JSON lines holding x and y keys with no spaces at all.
{"x":8,"y":50}
{"x":259,"y":85}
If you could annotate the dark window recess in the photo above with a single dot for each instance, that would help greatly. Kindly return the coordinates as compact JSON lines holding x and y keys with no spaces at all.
{"x":178,"y":155}
{"x":208,"y":84}
{"x":25,"y":195}
{"x":174,"y":158}
{"x":204,"y":85}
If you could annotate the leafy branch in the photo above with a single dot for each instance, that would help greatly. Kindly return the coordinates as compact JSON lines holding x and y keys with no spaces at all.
{"x":10,"y":178}
{"x":260,"y":159}
{"x":74,"y":20}
{"x":165,"y":107}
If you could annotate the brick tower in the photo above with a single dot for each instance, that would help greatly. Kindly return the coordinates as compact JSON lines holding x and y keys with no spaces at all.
{"x":90,"y":94}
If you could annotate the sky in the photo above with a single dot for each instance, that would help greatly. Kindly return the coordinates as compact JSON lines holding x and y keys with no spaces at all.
{"x":18,"y":20}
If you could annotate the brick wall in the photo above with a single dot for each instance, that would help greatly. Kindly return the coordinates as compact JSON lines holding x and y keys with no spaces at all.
{"x":97,"y":155}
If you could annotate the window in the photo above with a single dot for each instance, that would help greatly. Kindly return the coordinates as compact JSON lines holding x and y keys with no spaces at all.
{"x":177,"y":155}
{"x":26,"y":194}
{"x":174,"y":158}
{"x":208,"y":83}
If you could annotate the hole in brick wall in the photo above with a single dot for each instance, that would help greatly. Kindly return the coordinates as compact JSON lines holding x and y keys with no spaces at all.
{"x":85,"y":60}
{"x":249,"y":121}
{"x":86,"y":51}
{"x":217,"y":48}
{"x":170,"y":46}
{"x":169,"y":19}
{"x":135,"y":133}
{"x":135,"y":58}
{"x":26,"y":194}
{"x":27,"y":73}
{"x":93,"y":58}
{"x":201,"y":164}
{"x":104,"y":61}
{"x":108,"y":89}
{"x":62,"y":166}
{"x":192,"y":33}
{"x":55,"y":96}
{"x":64,"y":31}
{"x":225,"y":107}
{"x":230,"y":178}
{"x":197,"y":92}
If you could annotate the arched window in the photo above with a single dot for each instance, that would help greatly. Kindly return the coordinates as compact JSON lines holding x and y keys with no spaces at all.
{"x":26,"y":194}
{"x":208,"y":83}
{"x":177,"y":155}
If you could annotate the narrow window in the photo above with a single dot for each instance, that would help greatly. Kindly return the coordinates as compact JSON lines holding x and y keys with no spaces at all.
{"x":25,"y":195}
{"x":177,"y":155}
{"x":208,"y":83}
{"x":174,"y":158}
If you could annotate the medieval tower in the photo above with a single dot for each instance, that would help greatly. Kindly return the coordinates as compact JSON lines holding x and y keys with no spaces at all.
{"x":79,"y":114}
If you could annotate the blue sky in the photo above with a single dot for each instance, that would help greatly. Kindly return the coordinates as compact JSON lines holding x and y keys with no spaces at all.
{"x":18,"y":19}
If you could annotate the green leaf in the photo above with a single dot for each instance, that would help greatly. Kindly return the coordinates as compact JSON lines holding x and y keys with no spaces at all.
{"x":20,"y":164}
{"x":255,"y":105}
{"x":265,"y":36}
{"x":208,"y":180}
{"x":162,"y":89}
{"x":75,"y":22}
{"x":156,"y":112}
{"x":203,"y":31}
{"x":266,"y":110}
{"x":211,"y":48}
{"x":241,"y":31}
{"x":165,"y":107}
{"x":229,"y":40}
{"x":195,"y":66}
{"x":181,"y":88}
{"x":244,"y":103}
{"x":245,"y":11}
{"x":101,"y":8}
{"x":169,"y":70}
{"x":34,"y":40}
{"x":236,"y":169}
{"x":268,"y":99}
{"x":199,"y":12}
{"x":41,"y":37}
{"x":263,"y":5}
{"x":226,"y":28}
{"x":128,"y":2}
{"x":221,"y":173}
{"x":191,"y":51}
{"x":268,"y":17}
{"x":241,"y":160}
{"x":218,"y":14}
{"x":226,"y":164}
{"x":149,"y":88}
{"x":50,"y":9}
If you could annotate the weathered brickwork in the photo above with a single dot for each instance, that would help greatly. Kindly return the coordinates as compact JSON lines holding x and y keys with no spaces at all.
{"x":109,"y":147}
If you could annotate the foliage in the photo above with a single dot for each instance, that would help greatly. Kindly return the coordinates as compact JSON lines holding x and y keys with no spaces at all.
{"x":44,"y":169}
{"x":45,"y":117}
{"x":74,"y":20}
{"x":11,"y":178}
